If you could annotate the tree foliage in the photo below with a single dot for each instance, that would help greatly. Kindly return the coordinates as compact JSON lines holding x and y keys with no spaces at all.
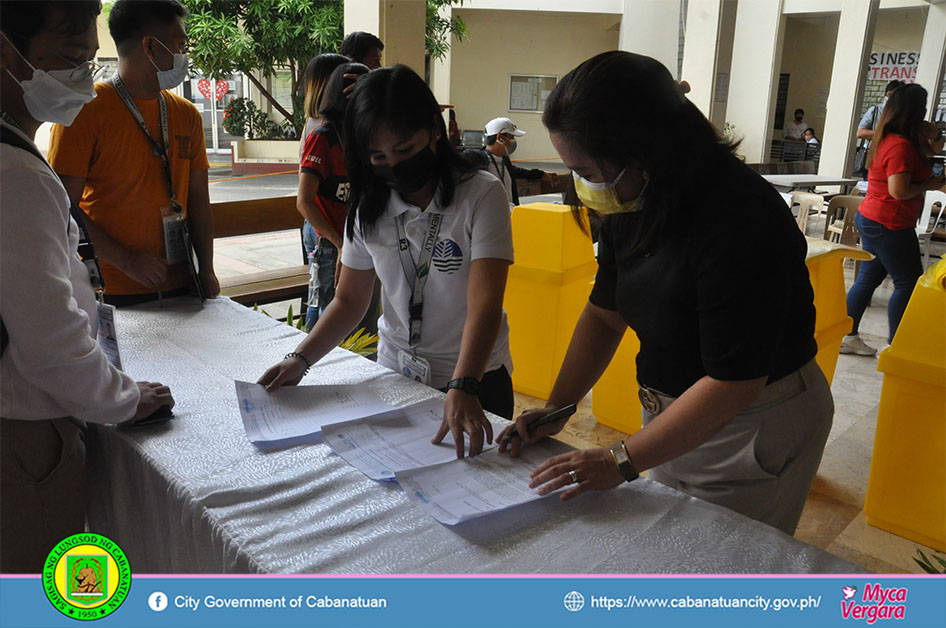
{"x":259,"y":36}
{"x":439,"y":29}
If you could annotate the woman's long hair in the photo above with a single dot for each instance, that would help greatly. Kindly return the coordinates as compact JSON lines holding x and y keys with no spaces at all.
{"x":335,"y":100}
{"x":317,"y":73}
{"x":903,"y":115}
{"x":398,"y":98}
{"x":624,"y":108}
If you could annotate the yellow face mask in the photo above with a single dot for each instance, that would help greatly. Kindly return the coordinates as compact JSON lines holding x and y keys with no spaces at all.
{"x":603,"y":198}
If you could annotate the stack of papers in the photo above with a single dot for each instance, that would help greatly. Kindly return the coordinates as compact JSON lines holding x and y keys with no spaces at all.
{"x":388,"y":443}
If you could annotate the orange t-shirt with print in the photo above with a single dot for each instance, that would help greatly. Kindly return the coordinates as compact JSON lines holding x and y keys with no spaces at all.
{"x":126,"y":191}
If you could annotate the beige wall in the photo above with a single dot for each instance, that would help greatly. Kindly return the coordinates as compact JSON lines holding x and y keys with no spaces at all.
{"x":807,"y":56}
{"x":899,"y":29}
{"x":518,"y":42}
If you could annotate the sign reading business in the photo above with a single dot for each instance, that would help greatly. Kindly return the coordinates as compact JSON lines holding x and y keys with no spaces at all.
{"x":887,"y":66}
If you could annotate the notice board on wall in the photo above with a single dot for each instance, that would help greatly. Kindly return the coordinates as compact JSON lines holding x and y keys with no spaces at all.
{"x":529,"y":92}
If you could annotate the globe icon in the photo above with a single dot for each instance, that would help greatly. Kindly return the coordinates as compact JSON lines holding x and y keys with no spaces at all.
{"x":574,"y":601}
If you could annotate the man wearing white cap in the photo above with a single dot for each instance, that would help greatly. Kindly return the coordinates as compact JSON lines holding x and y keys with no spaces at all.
{"x":501,"y":134}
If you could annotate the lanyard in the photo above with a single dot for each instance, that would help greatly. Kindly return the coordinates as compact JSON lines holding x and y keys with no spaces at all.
{"x":501,"y":171}
{"x":159,"y":149}
{"x":86,"y":250}
{"x":417,"y":274}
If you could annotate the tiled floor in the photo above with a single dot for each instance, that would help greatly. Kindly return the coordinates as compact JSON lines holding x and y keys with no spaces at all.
{"x":833,"y":519}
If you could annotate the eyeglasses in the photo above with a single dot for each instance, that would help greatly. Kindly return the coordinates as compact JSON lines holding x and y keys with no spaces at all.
{"x":85,"y":69}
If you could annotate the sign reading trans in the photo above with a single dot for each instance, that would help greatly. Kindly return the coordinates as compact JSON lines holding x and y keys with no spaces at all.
{"x":887,"y":66}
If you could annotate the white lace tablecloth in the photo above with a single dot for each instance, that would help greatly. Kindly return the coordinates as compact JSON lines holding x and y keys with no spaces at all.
{"x":194,"y":496}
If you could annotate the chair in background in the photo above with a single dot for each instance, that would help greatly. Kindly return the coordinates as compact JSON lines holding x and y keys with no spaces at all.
{"x":839,"y":219}
{"x":924,"y":230}
{"x":473,"y":139}
{"x":807,"y":203}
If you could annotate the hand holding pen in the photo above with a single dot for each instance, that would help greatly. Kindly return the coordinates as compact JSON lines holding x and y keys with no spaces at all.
{"x":511,"y":435}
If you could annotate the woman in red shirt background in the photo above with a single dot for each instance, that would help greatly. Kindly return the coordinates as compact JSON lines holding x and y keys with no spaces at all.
{"x":899,"y":174}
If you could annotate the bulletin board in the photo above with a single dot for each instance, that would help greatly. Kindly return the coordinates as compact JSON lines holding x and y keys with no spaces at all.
{"x":529,"y":92}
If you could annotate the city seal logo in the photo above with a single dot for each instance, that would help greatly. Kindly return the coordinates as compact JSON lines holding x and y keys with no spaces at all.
{"x":86,"y":576}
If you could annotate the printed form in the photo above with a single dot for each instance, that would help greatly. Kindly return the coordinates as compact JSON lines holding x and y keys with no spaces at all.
{"x":463,"y":489}
{"x":297,"y":414}
{"x":381,"y":445}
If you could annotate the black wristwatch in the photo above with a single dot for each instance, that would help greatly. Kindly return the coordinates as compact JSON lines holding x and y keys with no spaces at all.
{"x":469,"y":385}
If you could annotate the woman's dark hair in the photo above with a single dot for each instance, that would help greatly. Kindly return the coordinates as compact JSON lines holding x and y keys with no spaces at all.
{"x":334,"y":99}
{"x":398,"y":98}
{"x":23,"y":20}
{"x":623,"y":108}
{"x":903,"y":115}
{"x":317,"y":72}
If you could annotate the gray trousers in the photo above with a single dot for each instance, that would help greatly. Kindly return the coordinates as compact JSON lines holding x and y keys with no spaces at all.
{"x":42,"y":489}
{"x":761,"y":463}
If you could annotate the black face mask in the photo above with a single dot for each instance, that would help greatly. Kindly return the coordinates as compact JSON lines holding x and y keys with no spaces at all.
{"x":411,"y":174}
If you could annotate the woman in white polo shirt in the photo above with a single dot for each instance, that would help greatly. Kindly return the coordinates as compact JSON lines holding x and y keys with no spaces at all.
{"x":437,"y":233}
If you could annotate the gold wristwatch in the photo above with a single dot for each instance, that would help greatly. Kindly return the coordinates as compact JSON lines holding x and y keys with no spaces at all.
{"x":623,"y":462}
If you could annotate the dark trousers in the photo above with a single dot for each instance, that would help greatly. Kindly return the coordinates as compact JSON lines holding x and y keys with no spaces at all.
{"x":42,"y":489}
{"x":896,"y":253}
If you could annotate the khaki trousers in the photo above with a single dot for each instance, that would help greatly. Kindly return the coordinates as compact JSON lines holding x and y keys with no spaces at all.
{"x":761,"y":463}
{"x":42,"y":489}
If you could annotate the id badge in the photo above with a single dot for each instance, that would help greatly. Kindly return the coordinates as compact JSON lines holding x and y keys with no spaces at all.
{"x":418,"y":369}
{"x":108,"y":333}
{"x":175,"y":243}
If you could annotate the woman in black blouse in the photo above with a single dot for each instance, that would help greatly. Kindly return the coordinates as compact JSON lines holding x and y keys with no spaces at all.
{"x":701,"y":257}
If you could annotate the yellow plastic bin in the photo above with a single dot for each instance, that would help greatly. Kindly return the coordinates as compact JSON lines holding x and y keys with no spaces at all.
{"x":614,"y":399}
{"x":906,"y":491}
{"x":547,"y":289}
{"x":825,"y":261}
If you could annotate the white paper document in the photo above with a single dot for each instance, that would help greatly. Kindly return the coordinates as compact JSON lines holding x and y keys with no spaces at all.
{"x":381,"y":445}
{"x":463,"y":489}
{"x":297,"y":414}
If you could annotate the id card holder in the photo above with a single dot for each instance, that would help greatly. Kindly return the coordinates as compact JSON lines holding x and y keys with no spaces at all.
{"x":418,"y":369}
{"x":108,"y":333}
{"x":175,"y":242}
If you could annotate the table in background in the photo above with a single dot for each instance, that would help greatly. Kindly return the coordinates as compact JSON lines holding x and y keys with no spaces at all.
{"x":194,"y":495}
{"x":789,"y":182}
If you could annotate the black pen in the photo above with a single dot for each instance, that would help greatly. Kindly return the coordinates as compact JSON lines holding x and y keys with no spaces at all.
{"x":552,"y":417}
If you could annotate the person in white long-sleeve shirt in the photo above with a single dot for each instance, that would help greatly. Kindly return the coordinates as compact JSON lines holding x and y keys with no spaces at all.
{"x":54,"y":376}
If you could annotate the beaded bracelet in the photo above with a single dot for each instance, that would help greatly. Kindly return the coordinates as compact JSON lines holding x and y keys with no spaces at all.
{"x":296,"y":354}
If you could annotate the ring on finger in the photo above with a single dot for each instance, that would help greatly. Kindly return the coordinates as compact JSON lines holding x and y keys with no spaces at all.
{"x":573,"y":474}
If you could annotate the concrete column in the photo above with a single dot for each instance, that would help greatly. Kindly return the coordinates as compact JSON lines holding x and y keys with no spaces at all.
{"x":756,"y":59}
{"x":929,"y":71}
{"x":699,"y":51}
{"x":848,"y":77}
{"x":652,"y":28}
{"x":400,"y":24}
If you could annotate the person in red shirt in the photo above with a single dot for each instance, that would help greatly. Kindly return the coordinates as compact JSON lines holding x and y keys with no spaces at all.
{"x":899,"y":174}
{"x":323,"y":184}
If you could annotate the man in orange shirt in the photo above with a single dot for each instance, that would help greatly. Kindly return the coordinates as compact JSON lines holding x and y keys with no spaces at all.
{"x":119,"y":174}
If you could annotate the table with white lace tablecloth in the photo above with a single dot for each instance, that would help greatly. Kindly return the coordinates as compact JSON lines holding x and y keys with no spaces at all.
{"x":194,"y":495}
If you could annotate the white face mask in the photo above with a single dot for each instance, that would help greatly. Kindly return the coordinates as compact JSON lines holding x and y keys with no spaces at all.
{"x":169,"y":79}
{"x":56,"y":95}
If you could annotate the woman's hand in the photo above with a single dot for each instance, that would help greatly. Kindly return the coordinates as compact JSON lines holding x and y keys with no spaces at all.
{"x":524,"y":437}
{"x":594,"y":468}
{"x":462,"y":414}
{"x":287,"y":373}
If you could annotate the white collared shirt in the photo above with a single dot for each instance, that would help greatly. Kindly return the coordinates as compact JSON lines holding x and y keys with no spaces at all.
{"x":53,"y":366}
{"x":476,"y":225}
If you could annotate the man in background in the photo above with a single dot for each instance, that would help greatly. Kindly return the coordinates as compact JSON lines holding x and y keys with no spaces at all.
{"x":501,"y":142}
{"x":362,"y":47}
{"x":142,"y":189}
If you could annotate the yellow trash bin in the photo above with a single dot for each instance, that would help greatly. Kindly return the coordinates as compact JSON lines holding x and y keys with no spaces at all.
{"x":614,"y":399}
{"x":825,"y":261}
{"x":906,"y":491}
{"x":547,"y":289}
